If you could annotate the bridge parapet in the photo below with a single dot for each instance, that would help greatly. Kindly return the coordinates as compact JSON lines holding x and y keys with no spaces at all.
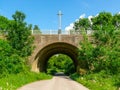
{"x":48,"y":39}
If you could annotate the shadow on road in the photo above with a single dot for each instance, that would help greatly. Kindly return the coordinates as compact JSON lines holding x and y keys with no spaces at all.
{"x":61,"y":75}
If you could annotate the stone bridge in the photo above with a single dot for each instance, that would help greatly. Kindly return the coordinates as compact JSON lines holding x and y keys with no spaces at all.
{"x":49,"y":45}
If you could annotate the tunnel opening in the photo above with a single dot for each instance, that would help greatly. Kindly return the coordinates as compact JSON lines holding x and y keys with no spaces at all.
{"x":50,"y":50}
{"x":60,"y":64}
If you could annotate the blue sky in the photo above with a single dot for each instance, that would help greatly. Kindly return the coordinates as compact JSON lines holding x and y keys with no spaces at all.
{"x":44,"y":12}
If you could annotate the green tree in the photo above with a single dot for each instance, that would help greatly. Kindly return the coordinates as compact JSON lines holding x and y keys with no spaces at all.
{"x":36,"y":29}
{"x":30,"y":26}
{"x":3,"y":24}
{"x":102,"y":20}
{"x":19,"y":35}
{"x":60,"y":63}
{"x":116,"y":21}
{"x":82,"y":25}
{"x":103,"y":52}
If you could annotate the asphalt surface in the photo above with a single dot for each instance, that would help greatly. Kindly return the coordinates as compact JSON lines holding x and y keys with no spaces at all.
{"x":56,"y":83}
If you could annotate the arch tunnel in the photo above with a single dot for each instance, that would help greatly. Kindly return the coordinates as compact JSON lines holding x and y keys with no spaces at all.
{"x":42,"y":57}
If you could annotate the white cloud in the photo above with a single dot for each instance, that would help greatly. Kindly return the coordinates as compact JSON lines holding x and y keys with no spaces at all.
{"x":90,"y":17}
{"x":96,"y":14}
{"x":82,"y":16}
{"x":70,"y":27}
{"x":76,"y":20}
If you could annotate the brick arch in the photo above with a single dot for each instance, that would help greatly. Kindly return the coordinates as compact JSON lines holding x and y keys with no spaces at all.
{"x":46,"y":52}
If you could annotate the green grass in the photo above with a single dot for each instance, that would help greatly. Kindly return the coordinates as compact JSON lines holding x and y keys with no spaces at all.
{"x":12,"y":82}
{"x":98,"y":81}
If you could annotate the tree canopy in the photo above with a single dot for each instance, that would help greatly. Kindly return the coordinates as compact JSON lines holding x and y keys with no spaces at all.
{"x":99,"y":22}
{"x":60,"y":63}
{"x":19,"y":35}
{"x":103,"y":52}
{"x":3,"y":24}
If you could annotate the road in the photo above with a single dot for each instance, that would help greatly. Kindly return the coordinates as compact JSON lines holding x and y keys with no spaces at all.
{"x":56,"y":83}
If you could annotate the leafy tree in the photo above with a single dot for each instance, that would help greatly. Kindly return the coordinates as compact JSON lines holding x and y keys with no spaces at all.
{"x":103,"y":52}
{"x":36,"y":29}
{"x":19,"y":35}
{"x":82,"y":25}
{"x":116,"y":21}
{"x":19,"y":17}
{"x":86,"y":53}
{"x":60,"y":63}
{"x":102,"y":20}
{"x":30,"y":26}
{"x":3,"y":24}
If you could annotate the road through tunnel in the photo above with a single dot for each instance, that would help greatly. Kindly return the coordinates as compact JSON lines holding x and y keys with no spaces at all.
{"x":48,"y":51}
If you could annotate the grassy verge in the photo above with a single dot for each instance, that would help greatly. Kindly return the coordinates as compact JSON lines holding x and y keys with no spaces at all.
{"x":98,"y":81}
{"x":12,"y":82}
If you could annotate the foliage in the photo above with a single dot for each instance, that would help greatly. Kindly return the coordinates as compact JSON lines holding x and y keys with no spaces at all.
{"x":98,"y":81}
{"x":14,"y":81}
{"x":3,"y":23}
{"x":82,"y":25}
{"x":36,"y":29}
{"x":19,"y":35}
{"x":102,"y":54}
{"x":10,"y":63}
{"x":116,"y":21}
{"x":85,"y":52}
{"x":98,"y":22}
{"x":60,"y":63}
{"x":14,"y":71}
{"x":102,"y":20}
{"x":30,"y":27}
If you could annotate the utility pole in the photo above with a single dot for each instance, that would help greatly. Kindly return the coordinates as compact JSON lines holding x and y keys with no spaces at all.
{"x":60,"y":25}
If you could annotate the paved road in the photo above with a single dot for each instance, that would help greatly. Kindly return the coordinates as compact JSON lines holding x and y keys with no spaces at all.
{"x":56,"y":83}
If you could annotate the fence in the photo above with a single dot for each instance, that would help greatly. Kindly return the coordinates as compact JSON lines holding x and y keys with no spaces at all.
{"x":54,"y":32}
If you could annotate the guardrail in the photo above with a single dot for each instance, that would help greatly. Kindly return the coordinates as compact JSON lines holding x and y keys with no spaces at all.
{"x":55,"y":32}
{"x":49,"y":32}
{"x":52,"y":32}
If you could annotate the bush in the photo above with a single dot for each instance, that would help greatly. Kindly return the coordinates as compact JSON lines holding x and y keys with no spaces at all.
{"x":97,"y":81}
{"x":10,"y":63}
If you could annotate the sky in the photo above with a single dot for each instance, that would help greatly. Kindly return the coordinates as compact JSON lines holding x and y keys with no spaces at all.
{"x":44,"y":12}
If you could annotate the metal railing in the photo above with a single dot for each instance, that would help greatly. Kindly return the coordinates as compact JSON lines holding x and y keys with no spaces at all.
{"x":48,"y":32}
{"x":55,"y":32}
{"x":63,"y":32}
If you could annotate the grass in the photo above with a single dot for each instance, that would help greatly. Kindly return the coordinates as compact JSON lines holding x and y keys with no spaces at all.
{"x":12,"y":82}
{"x":98,"y":81}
